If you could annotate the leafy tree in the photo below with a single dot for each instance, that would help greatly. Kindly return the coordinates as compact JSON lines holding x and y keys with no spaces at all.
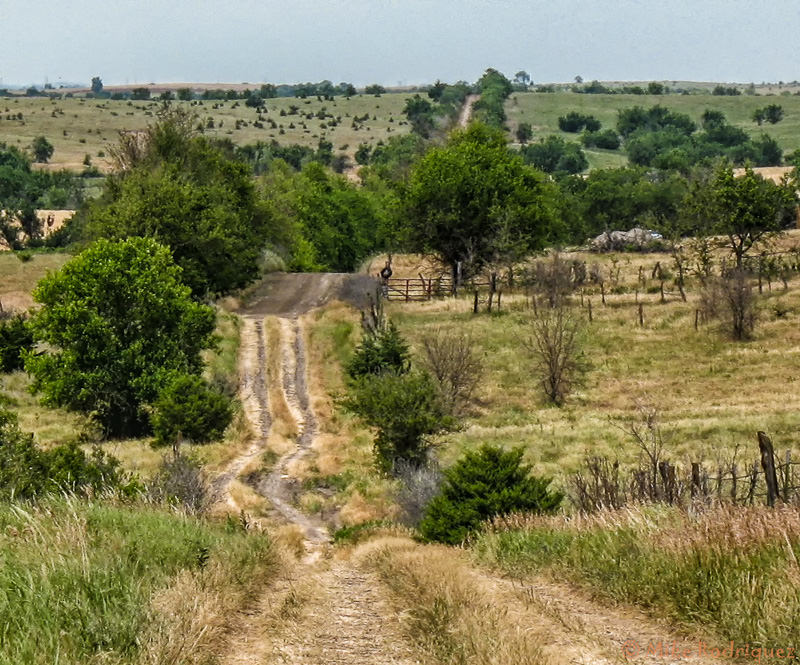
{"x":655,"y":88}
{"x":483,"y":484}
{"x":16,"y":337}
{"x":375,"y":89}
{"x":436,"y":90}
{"x":555,"y":155}
{"x":744,"y":209}
{"x":494,"y":89}
{"x":363,"y":154}
{"x":185,"y":94}
{"x":773,"y":113}
{"x":119,"y":323}
{"x":460,"y":194}
{"x":524,"y":132}
{"x":713,"y":119}
{"x":97,"y":85}
{"x":419,"y":112}
{"x":522,"y":77}
{"x":42,"y":149}
{"x":140,"y":94}
{"x":607,"y":139}
{"x":575,"y":122}
{"x":187,"y":407}
{"x":406,"y":410}
{"x":186,"y":193}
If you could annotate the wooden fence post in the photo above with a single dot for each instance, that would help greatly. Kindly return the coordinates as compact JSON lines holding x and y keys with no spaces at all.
{"x":696,"y":317}
{"x":696,"y":483}
{"x":733,"y":484}
{"x":603,"y":292}
{"x":408,"y":281}
{"x":475,"y":303}
{"x":641,"y":315}
{"x":787,"y":476}
{"x":590,"y":310}
{"x":768,"y":464}
{"x":499,"y":295}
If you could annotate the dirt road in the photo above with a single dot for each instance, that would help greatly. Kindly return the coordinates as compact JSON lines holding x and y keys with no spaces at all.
{"x":466,"y":111}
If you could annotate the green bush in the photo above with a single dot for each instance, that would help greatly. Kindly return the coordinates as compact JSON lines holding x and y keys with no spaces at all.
{"x":27,"y":472}
{"x":405,"y":409}
{"x":381,"y":350}
{"x":481,"y":485}
{"x":188,"y":407}
{"x":15,"y":337}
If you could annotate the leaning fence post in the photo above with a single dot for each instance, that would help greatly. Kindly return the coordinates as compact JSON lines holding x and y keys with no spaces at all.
{"x":475,"y":303}
{"x":768,"y":464}
{"x":787,"y":476}
{"x":590,"y":310}
{"x":641,"y":315}
{"x":733,"y":485}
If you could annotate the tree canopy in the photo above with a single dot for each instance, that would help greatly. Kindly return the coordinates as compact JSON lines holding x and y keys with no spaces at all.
{"x":187,"y":194}
{"x":119,"y":324}
{"x":461,"y":195}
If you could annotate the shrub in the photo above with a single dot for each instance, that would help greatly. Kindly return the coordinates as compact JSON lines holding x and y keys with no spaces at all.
{"x":450,"y":357}
{"x":15,"y":337}
{"x":481,"y":485}
{"x":405,"y":409}
{"x":180,"y":480}
{"x":27,"y":472}
{"x":731,"y":300}
{"x":187,"y":407}
{"x":382,"y":349}
{"x":420,"y":485}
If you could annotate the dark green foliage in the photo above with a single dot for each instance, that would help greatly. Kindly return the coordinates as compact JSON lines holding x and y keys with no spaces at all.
{"x":374,"y":89}
{"x":606,"y":140}
{"x":463,"y":195}
{"x":119,"y":323}
{"x":419,"y":112}
{"x":97,"y":85}
{"x":721,"y":90}
{"x":524,"y":132}
{"x":381,"y":350}
{"x":188,"y":408}
{"x":27,"y":472}
{"x":575,"y":122}
{"x":15,"y":337}
{"x":555,"y":155}
{"x":42,"y":149}
{"x":406,"y":411}
{"x":187,"y":194}
{"x":259,"y":156}
{"x":653,"y":119}
{"x":481,"y":485}
{"x":494,"y":89}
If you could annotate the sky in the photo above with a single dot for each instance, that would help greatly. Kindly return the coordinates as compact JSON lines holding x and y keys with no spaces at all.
{"x":396,"y":41}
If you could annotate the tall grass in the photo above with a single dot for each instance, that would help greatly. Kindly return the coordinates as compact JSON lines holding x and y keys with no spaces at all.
{"x":733,"y":570}
{"x":86,"y":581}
{"x":449,"y":614}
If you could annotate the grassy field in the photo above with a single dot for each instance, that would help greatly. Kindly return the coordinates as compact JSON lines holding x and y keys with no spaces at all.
{"x":542,"y":111}
{"x":712,"y":570}
{"x":78,"y":127}
{"x":712,"y":394}
{"x":99,"y":582}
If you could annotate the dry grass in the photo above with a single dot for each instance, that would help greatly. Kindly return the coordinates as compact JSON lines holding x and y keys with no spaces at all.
{"x":712,"y":394}
{"x":449,"y":613}
{"x":17,"y":278}
{"x":80,"y":127}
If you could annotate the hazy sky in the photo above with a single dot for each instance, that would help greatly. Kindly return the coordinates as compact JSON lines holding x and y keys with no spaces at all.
{"x":393,"y":41}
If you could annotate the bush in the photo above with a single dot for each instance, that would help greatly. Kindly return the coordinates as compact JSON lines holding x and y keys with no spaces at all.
{"x":405,"y":409}
{"x":450,"y":357}
{"x":15,"y":337}
{"x":420,"y":485}
{"x":27,"y":472}
{"x":189,"y":408}
{"x":381,"y":350}
{"x":180,"y":480}
{"x":481,"y":485}
{"x":575,"y":122}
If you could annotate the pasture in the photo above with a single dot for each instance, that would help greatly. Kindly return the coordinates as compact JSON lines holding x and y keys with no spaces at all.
{"x":542,"y":111}
{"x":78,"y":127}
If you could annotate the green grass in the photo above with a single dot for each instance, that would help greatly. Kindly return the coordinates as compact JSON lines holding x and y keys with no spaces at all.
{"x":542,"y":111}
{"x":712,"y":394}
{"x":78,"y":579}
{"x":731,"y":570}
{"x":77,"y":127}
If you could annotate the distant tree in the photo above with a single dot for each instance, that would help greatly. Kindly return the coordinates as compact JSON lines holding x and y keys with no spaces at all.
{"x":419,"y":112}
{"x":436,"y":90}
{"x":655,"y":88}
{"x":347,"y":89}
{"x":140,"y":94}
{"x":555,"y":155}
{"x":744,"y":209}
{"x":713,"y":119}
{"x":185,"y":94}
{"x":375,"y":89}
{"x":16,"y":337}
{"x":522,"y":77}
{"x":579,"y":79}
{"x":461,"y":193}
{"x":773,"y":113}
{"x":97,"y":85}
{"x":118,"y":323}
{"x":524,"y":132}
{"x":42,"y":149}
{"x":185,"y":192}
{"x":363,"y":154}
{"x":758,"y":116}
{"x":167,"y":96}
